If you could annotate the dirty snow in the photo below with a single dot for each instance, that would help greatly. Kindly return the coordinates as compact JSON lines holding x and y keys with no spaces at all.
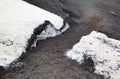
{"x":104,"y":51}
{"x":18,"y":20}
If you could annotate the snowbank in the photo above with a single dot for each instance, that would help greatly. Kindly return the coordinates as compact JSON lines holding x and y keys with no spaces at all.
{"x":18,"y":20}
{"x":104,"y":51}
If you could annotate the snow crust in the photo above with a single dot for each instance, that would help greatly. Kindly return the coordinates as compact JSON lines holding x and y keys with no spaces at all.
{"x":18,"y":20}
{"x":104,"y":51}
{"x":51,"y":32}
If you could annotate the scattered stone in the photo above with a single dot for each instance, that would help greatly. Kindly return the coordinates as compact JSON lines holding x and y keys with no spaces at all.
{"x":113,"y":13}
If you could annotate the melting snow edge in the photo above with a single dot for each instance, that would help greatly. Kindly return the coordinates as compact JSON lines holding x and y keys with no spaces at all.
{"x":104,"y":51}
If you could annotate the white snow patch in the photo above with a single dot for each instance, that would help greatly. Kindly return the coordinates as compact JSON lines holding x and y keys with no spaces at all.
{"x":104,"y":51}
{"x":18,"y":20}
{"x":51,"y":32}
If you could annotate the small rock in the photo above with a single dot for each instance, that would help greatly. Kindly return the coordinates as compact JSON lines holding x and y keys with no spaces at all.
{"x":113,"y":13}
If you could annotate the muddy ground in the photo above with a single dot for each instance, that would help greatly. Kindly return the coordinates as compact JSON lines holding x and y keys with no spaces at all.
{"x":47,"y":60}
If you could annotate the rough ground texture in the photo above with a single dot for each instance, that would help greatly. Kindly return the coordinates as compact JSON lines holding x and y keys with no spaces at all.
{"x":47,"y":61}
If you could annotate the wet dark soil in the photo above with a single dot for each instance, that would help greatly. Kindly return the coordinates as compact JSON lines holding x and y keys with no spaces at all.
{"x":47,"y":60}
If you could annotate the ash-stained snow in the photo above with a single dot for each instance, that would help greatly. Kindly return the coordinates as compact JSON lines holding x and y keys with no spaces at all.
{"x":50,"y":32}
{"x":104,"y":51}
{"x":18,"y":20}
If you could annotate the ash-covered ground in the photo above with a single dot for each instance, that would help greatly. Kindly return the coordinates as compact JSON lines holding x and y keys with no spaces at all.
{"x":47,"y":60}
